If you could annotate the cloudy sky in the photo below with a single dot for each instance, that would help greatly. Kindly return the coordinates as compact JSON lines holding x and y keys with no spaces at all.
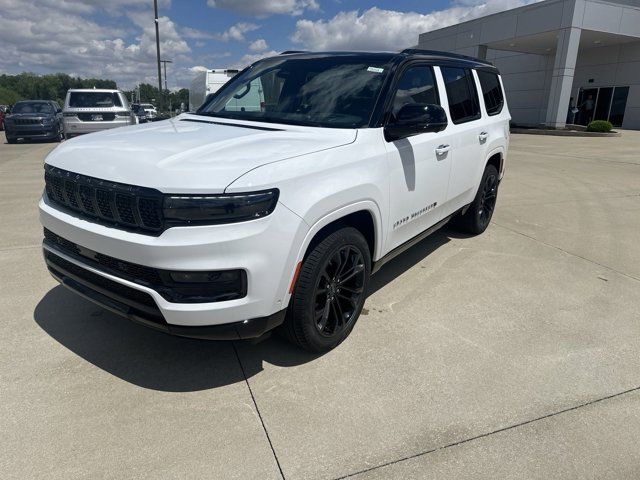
{"x":115,"y":38}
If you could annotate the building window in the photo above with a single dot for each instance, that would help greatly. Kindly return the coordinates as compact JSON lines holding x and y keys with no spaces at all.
{"x":491,"y":91}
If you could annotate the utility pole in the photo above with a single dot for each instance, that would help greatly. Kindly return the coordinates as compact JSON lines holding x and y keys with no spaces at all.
{"x":166,"y":89}
{"x":155,"y":8}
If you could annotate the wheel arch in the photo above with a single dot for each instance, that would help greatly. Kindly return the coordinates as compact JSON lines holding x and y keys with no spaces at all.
{"x":364,"y":216}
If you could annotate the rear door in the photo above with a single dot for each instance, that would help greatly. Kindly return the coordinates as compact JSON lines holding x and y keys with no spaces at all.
{"x":469,"y":135}
{"x":418,"y":174}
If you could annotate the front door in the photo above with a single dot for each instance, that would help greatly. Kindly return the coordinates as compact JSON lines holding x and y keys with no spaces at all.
{"x":418,"y":165}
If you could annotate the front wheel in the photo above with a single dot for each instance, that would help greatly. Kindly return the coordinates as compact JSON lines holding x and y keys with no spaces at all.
{"x":330,"y":291}
{"x":477,"y":217}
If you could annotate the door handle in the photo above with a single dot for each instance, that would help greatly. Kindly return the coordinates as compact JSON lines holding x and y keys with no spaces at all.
{"x":442,"y":149}
{"x":483,"y":136}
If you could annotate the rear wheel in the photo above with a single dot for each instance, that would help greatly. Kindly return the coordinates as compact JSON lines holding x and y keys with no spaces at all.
{"x":330,"y":291}
{"x":478,"y":216}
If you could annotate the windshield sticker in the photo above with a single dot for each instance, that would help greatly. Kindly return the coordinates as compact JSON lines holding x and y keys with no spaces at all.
{"x":375,"y":69}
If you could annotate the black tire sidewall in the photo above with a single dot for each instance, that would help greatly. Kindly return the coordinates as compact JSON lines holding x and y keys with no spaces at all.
{"x":303,"y":299}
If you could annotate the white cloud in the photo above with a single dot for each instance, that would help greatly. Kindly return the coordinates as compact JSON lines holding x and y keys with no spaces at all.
{"x":377,"y":29}
{"x":236,"y":32}
{"x":49,"y":36}
{"x":258,"y":45}
{"x":249,"y":58}
{"x":263,"y":8}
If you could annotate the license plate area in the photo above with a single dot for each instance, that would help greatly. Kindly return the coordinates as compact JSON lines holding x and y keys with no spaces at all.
{"x":96,"y":117}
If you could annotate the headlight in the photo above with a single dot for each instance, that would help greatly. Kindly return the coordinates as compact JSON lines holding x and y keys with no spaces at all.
{"x":212,"y":209}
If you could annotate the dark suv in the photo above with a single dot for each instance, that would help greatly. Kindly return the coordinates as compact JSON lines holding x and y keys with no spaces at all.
{"x":34,"y":119}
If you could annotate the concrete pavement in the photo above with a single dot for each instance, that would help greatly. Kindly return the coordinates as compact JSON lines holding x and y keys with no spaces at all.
{"x":514,"y":354}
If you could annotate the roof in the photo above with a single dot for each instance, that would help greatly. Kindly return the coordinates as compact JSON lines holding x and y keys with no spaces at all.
{"x":109,"y":90}
{"x":433,"y":55}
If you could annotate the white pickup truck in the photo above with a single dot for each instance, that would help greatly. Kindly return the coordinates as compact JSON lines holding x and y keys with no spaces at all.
{"x":231,"y":222}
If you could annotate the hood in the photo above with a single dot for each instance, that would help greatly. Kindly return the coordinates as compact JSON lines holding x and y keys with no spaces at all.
{"x":190,"y":153}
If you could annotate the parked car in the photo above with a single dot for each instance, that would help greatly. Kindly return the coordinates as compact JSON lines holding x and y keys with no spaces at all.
{"x":229,"y":223}
{"x":93,"y":110}
{"x":34,"y":119}
{"x":152,"y":113}
{"x":139,"y":112}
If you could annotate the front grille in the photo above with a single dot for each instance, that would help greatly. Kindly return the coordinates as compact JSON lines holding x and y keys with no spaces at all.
{"x":28,"y":121}
{"x":116,"y":204}
{"x":89,"y":117}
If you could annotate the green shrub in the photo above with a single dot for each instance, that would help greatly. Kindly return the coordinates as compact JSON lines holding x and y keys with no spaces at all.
{"x":599,"y":126}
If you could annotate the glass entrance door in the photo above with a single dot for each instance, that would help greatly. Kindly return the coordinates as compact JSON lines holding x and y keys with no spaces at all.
{"x":602,"y":103}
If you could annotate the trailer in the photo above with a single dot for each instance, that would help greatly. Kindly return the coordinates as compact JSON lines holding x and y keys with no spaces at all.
{"x":206,"y":83}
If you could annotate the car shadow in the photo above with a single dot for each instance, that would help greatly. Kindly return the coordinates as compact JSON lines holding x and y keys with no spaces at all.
{"x":157,"y":361}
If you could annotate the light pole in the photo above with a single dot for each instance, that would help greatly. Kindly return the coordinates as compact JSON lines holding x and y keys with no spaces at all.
{"x":166,"y":89}
{"x":155,"y":9}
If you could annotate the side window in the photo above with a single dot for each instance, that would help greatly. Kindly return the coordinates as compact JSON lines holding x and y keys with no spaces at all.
{"x":417,"y":85}
{"x":462,"y":94}
{"x":491,"y":91}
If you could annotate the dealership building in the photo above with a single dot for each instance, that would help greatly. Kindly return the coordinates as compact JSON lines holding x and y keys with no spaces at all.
{"x":558,"y":54}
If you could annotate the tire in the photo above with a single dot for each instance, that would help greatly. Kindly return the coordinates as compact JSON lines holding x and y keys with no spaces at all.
{"x":478,"y":216}
{"x":60,"y":136}
{"x":330,"y":291}
{"x":11,"y":140}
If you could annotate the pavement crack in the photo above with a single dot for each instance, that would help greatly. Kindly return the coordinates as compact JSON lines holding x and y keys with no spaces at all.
{"x":632,"y":277}
{"x":255,"y":404}
{"x":493,"y":432}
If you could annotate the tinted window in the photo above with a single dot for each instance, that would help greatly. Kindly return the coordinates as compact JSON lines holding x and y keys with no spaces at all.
{"x":462,"y":94}
{"x":337,"y":91}
{"x":32,"y":107}
{"x":417,"y":85}
{"x":94,"y":100}
{"x":491,"y":91}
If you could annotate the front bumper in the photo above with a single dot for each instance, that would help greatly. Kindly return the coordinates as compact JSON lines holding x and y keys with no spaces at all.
{"x":266,"y":249}
{"x":140,"y":308}
{"x":32,"y":131}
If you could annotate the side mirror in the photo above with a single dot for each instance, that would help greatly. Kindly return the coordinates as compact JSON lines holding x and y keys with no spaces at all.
{"x":416,"y":118}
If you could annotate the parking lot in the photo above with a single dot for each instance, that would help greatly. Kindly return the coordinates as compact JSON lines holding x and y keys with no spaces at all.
{"x":515,"y":354}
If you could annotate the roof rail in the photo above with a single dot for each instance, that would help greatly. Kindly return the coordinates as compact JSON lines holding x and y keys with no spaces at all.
{"x":437,"y":53}
{"x":286,"y":52}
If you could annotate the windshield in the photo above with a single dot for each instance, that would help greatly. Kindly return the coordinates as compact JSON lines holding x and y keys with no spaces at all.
{"x":94,"y":100}
{"x":32,"y":107}
{"x":336,"y":91}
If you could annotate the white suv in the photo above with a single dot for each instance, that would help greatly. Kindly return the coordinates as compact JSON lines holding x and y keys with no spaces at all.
{"x":229,"y":222}
{"x":90,"y":110}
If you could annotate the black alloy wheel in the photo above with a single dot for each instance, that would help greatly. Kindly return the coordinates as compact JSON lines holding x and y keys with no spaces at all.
{"x":488,"y":198}
{"x":330,"y":291}
{"x":339,"y":291}
{"x":478,"y":215}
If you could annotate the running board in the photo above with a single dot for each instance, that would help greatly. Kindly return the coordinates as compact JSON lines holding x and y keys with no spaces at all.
{"x":408,"y":244}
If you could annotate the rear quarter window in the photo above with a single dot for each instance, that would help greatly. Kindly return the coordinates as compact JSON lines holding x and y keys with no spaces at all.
{"x":462,"y":94}
{"x":491,"y":92}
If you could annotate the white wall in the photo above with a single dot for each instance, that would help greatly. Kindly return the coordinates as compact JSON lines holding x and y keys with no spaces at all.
{"x":527,"y":81}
